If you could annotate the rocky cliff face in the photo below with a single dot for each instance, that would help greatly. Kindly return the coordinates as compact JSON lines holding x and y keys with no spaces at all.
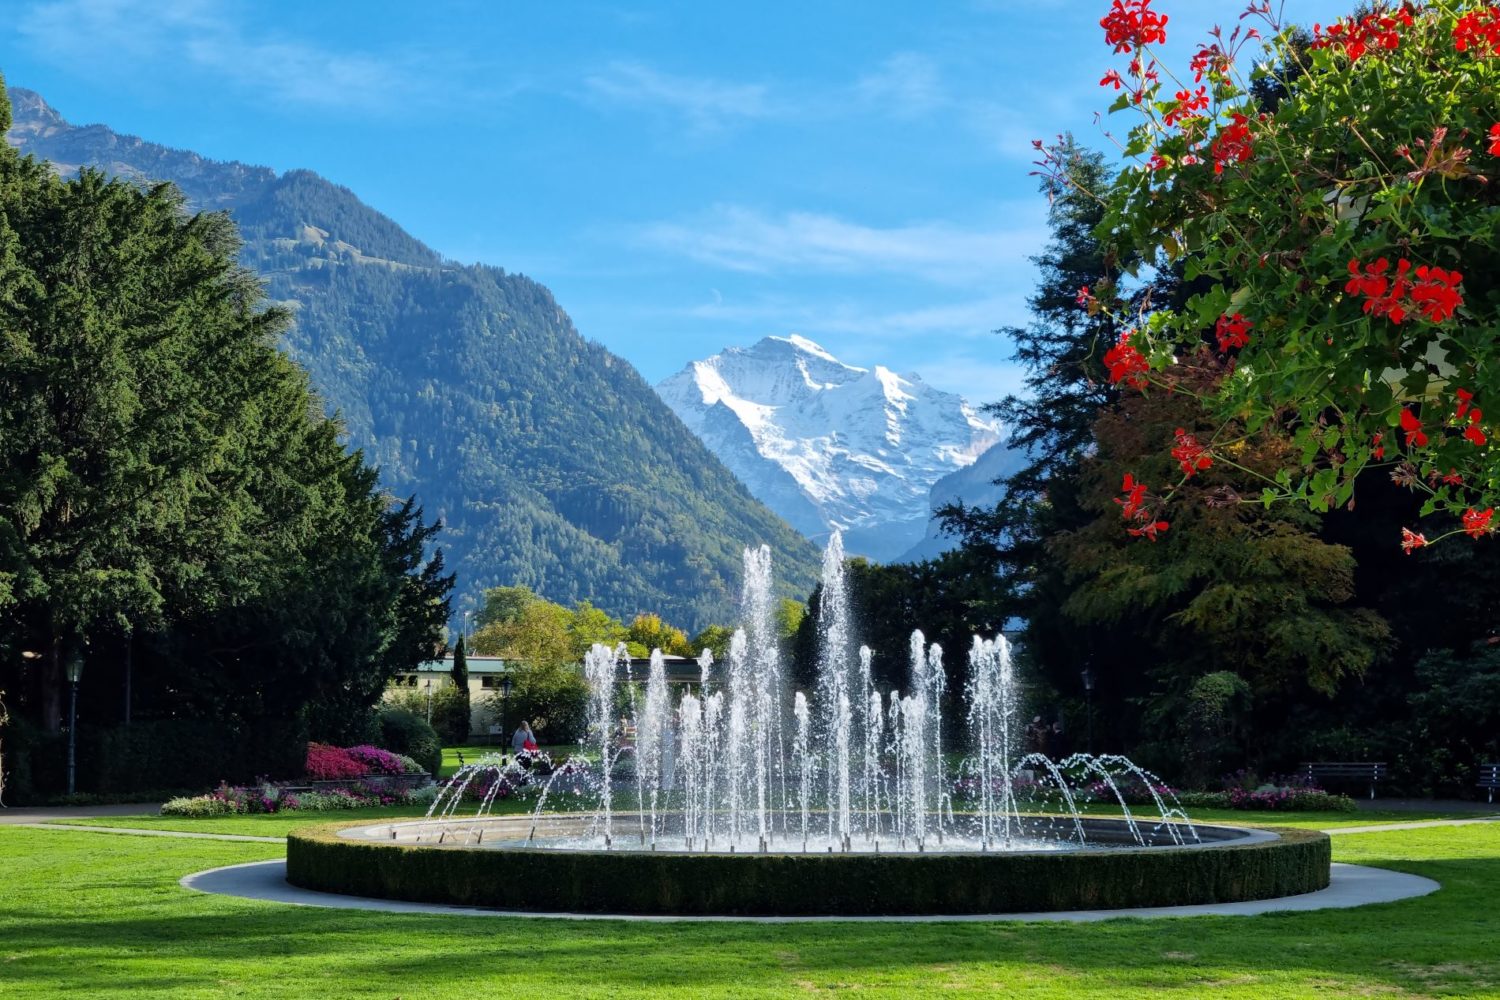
{"x":831,"y":445}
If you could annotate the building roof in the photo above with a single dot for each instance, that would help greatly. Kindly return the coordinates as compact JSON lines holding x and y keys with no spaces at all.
{"x":477,"y":665}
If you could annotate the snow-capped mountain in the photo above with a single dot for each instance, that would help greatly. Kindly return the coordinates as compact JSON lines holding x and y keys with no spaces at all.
{"x":829,"y":445}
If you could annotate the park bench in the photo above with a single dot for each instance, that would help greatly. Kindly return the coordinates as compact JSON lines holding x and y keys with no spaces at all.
{"x":1489,"y":778}
{"x":1318,"y":772}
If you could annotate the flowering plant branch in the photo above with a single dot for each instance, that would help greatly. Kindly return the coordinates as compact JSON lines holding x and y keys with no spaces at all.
{"x":1327,"y":199}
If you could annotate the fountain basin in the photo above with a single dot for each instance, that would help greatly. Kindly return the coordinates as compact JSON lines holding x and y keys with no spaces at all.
{"x":485,"y":863}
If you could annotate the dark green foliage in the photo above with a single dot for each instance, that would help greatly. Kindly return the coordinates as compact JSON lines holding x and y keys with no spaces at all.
{"x":405,"y":732}
{"x":552,"y":696}
{"x":444,"y":706}
{"x":173,"y":507}
{"x":851,"y":884}
{"x":461,"y":685}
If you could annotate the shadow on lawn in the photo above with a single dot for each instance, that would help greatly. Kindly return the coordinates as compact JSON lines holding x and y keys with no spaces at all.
{"x":1440,"y":942}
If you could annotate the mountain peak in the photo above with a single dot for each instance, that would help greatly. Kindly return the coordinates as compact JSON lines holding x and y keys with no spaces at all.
{"x":827,"y":444}
{"x":27,"y":107}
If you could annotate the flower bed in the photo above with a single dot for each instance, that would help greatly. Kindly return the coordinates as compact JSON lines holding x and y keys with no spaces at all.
{"x":228,"y":800}
{"x":329,"y":763}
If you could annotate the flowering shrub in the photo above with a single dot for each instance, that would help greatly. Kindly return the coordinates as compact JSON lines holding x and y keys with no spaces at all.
{"x":326,"y":763}
{"x":228,"y":800}
{"x":1327,"y":196}
{"x":378,"y":761}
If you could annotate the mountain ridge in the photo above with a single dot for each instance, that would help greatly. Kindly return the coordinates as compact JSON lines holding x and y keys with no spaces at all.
{"x":550,"y":460}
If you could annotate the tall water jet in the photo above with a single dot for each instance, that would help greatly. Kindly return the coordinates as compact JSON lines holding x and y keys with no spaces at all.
{"x":652,"y":746}
{"x":835,"y":674}
{"x":599,"y":671}
{"x":992,"y":711}
{"x":767,"y":753}
{"x":803,"y":760}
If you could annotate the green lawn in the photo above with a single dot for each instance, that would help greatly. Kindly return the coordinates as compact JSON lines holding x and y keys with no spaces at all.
{"x":472,"y":754}
{"x":103,"y":916}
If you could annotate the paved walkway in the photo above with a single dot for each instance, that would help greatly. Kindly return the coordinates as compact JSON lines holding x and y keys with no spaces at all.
{"x":1351,"y":885}
{"x":1417,"y":825}
{"x":26,"y":815}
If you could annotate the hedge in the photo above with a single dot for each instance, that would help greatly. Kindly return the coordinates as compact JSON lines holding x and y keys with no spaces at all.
{"x":798,"y":884}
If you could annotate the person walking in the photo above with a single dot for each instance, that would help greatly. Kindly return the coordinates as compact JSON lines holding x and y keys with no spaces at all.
{"x":522,"y":738}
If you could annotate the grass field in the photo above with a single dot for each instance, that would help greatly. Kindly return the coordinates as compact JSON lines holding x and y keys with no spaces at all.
{"x":95,"y":915}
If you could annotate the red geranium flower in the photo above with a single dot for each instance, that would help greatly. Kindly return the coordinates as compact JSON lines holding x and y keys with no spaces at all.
{"x":1477,"y":522}
{"x":1134,"y":497}
{"x":1192,"y":456}
{"x":1233,"y":144}
{"x":1411,"y":540}
{"x":1149,"y":530}
{"x":1413,"y":428}
{"x":1377,"y":449}
{"x":1479,"y":30}
{"x":1126,"y":364}
{"x":1436,"y":292}
{"x":1233,"y":331}
{"x":1131,"y":24}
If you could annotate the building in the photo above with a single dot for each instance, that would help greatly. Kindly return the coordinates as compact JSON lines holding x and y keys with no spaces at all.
{"x":487,"y":676}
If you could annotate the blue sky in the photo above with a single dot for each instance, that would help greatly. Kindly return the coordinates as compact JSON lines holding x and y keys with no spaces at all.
{"x":684,"y":176}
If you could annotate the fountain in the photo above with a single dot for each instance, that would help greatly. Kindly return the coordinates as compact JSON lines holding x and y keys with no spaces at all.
{"x":743,"y":771}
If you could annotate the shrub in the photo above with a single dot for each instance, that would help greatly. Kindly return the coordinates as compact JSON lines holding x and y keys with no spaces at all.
{"x":645,"y":882}
{"x":449,"y":710}
{"x":326,"y":763}
{"x":378,"y":761}
{"x":196,"y":807}
{"x":404,"y":732}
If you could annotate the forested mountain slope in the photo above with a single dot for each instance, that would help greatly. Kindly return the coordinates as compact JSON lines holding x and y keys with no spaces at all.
{"x":551,"y":462}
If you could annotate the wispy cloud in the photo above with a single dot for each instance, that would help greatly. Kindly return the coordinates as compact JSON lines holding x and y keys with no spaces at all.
{"x":907,"y":85}
{"x":742,"y":239}
{"x":707,"y":104}
{"x":120,"y":36}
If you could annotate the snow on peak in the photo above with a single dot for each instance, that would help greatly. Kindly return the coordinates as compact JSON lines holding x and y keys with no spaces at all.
{"x":828,"y":444}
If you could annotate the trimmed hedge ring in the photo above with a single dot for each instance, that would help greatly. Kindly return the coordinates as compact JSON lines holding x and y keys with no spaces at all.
{"x":1294,"y":862}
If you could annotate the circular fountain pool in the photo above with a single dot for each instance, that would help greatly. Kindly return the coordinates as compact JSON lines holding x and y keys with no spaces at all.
{"x":498,"y":862}
{"x":737,"y":795}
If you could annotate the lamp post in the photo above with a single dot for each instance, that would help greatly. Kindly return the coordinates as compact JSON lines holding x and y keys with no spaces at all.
{"x":74,"y":671}
{"x":466,"y":628}
{"x":1088,"y":694}
{"x":429,"y":701}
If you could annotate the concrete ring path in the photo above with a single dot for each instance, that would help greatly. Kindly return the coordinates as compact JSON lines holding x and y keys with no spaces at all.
{"x":1351,"y":885}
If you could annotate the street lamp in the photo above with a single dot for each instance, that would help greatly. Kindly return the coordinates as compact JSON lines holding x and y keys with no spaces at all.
{"x":465,"y":632}
{"x":74,"y":669}
{"x":429,"y":701}
{"x":1088,"y":694}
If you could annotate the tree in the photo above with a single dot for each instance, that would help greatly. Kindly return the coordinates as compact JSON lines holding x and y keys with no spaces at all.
{"x":552,"y":696}
{"x":460,"y":675}
{"x":789,"y":615}
{"x":1230,"y":588}
{"x":532,"y":632}
{"x":714,"y":638}
{"x":1342,"y":238}
{"x":172,"y":497}
{"x":591,"y":625}
{"x":648,"y":632}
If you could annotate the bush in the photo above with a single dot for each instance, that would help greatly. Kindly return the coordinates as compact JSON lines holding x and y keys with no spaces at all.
{"x":197,"y":807}
{"x":404,"y":732}
{"x":450,"y":711}
{"x":852,"y":884}
{"x":553,"y":697}
{"x":326,"y":763}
